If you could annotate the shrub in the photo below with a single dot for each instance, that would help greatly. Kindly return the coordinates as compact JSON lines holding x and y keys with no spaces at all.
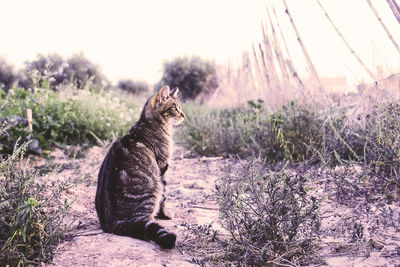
{"x":67,"y":117}
{"x":33,"y":211}
{"x":224,"y":131}
{"x":76,"y":70}
{"x":133,"y":87}
{"x":7,"y":75}
{"x":50,"y":67}
{"x":294,"y":132}
{"x":82,"y":73}
{"x":381,"y":146}
{"x":193,"y":76}
{"x":270,"y":216}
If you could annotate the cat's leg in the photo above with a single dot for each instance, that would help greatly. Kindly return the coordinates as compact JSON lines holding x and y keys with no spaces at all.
{"x":149,"y":230}
{"x":162,"y":213}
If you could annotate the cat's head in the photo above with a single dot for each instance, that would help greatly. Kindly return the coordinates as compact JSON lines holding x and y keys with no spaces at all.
{"x":164,"y":107}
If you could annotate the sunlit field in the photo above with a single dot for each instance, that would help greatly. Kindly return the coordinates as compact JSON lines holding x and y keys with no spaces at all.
{"x":270,"y":167}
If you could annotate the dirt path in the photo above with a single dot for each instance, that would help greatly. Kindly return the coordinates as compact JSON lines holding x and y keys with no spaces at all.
{"x":190,"y":196}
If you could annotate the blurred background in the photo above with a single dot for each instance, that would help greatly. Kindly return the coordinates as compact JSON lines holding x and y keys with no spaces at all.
{"x":131,"y":40}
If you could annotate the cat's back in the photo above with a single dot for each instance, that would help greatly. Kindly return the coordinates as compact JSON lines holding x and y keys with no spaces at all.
{"x":130,"y":153}
{"x":128,"y":168}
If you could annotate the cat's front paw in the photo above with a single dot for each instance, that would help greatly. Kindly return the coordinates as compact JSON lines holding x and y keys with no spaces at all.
{"x":165,"y":215}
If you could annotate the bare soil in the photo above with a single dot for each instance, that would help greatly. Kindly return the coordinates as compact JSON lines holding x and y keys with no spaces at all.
{"x":191,"y":196}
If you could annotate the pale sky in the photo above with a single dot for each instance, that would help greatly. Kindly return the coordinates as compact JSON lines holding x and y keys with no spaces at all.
{"x":130,"y":39}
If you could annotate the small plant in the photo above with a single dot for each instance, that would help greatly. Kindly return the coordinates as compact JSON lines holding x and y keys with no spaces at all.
{"x":34,"y":211}
{"x":203,"y":243}
{"x":270,"y":216}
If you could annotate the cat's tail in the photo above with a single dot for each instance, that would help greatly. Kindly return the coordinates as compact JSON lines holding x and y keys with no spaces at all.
{"x":160,"y":235}
{"x":147,"y":231}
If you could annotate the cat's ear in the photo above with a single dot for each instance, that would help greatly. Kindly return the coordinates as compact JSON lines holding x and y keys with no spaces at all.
{"x":174,"y":92}
{"x":163,"y":94}
{"x":160,"y":97}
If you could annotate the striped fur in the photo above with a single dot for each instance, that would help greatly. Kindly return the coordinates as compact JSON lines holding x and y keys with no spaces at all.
{"x":131,"y":183}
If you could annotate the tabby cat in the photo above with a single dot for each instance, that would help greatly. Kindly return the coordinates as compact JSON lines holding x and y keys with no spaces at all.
{"x":131,"y":182}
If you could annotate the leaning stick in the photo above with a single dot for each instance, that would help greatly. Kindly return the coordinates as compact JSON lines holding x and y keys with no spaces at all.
{"x":289,"y":61}
{"x":278,"y":52}
{"x":383,"y":25}
{"x":346,"y":43}
{"x":307,"y":57}
{"x":395,"y":9}
{"x":29,"y":117}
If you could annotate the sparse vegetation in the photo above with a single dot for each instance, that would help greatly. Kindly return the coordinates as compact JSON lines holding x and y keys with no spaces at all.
{"x":34,"y":211}
{"x":271,"y":217}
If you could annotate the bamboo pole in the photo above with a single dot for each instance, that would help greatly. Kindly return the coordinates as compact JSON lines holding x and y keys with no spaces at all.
{"x":383,"y":25}
{"x":266,"y":74}
{"x":278,"y":52}
{"x":257,"y":66}
{"x":395,"y":9}
{"x":270,"y":61}
{"x":346,"y":43}
{"x":288,"y":60}
{"x":307,"y":57}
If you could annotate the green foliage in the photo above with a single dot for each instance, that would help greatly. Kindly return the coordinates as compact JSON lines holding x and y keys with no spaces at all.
{"x":133,"y":87}
{"x":270,"y":216}
{"x":299,"y":133}
{"x":219,"y":131}
{"x":193,"y":76}
{"x":379,"y":146}
{"x":292,"y":133}
{"x":33,"y":211}
{"x":67,"y":117}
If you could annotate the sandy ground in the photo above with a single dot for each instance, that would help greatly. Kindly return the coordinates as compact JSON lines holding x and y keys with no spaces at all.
{"x":191,"y":196}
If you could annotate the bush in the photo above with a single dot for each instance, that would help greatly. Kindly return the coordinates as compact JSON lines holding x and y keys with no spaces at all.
{"x":270,"y":216}
{"x":7,"y":75}
{"x":50,"y":66}
{"x":76,"y":70}
{"x":193,"y":76}
{"x":293,"y":133}
{"x":379,"y":146}
{"x":33,"y":211}
{"x":67,"y":117}
{"x":133,"y":87}
{"x":224,"y":131}
{"x":82,"y":73}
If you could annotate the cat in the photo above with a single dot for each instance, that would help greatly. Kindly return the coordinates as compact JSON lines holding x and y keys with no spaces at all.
{"x":131,"y":181}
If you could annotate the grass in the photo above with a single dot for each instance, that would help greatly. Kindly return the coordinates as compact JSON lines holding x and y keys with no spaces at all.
{"x":34,"y":211}
{"x":293,"y":132}
{"x":67,"y":117}
{"x":299,"y":134}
